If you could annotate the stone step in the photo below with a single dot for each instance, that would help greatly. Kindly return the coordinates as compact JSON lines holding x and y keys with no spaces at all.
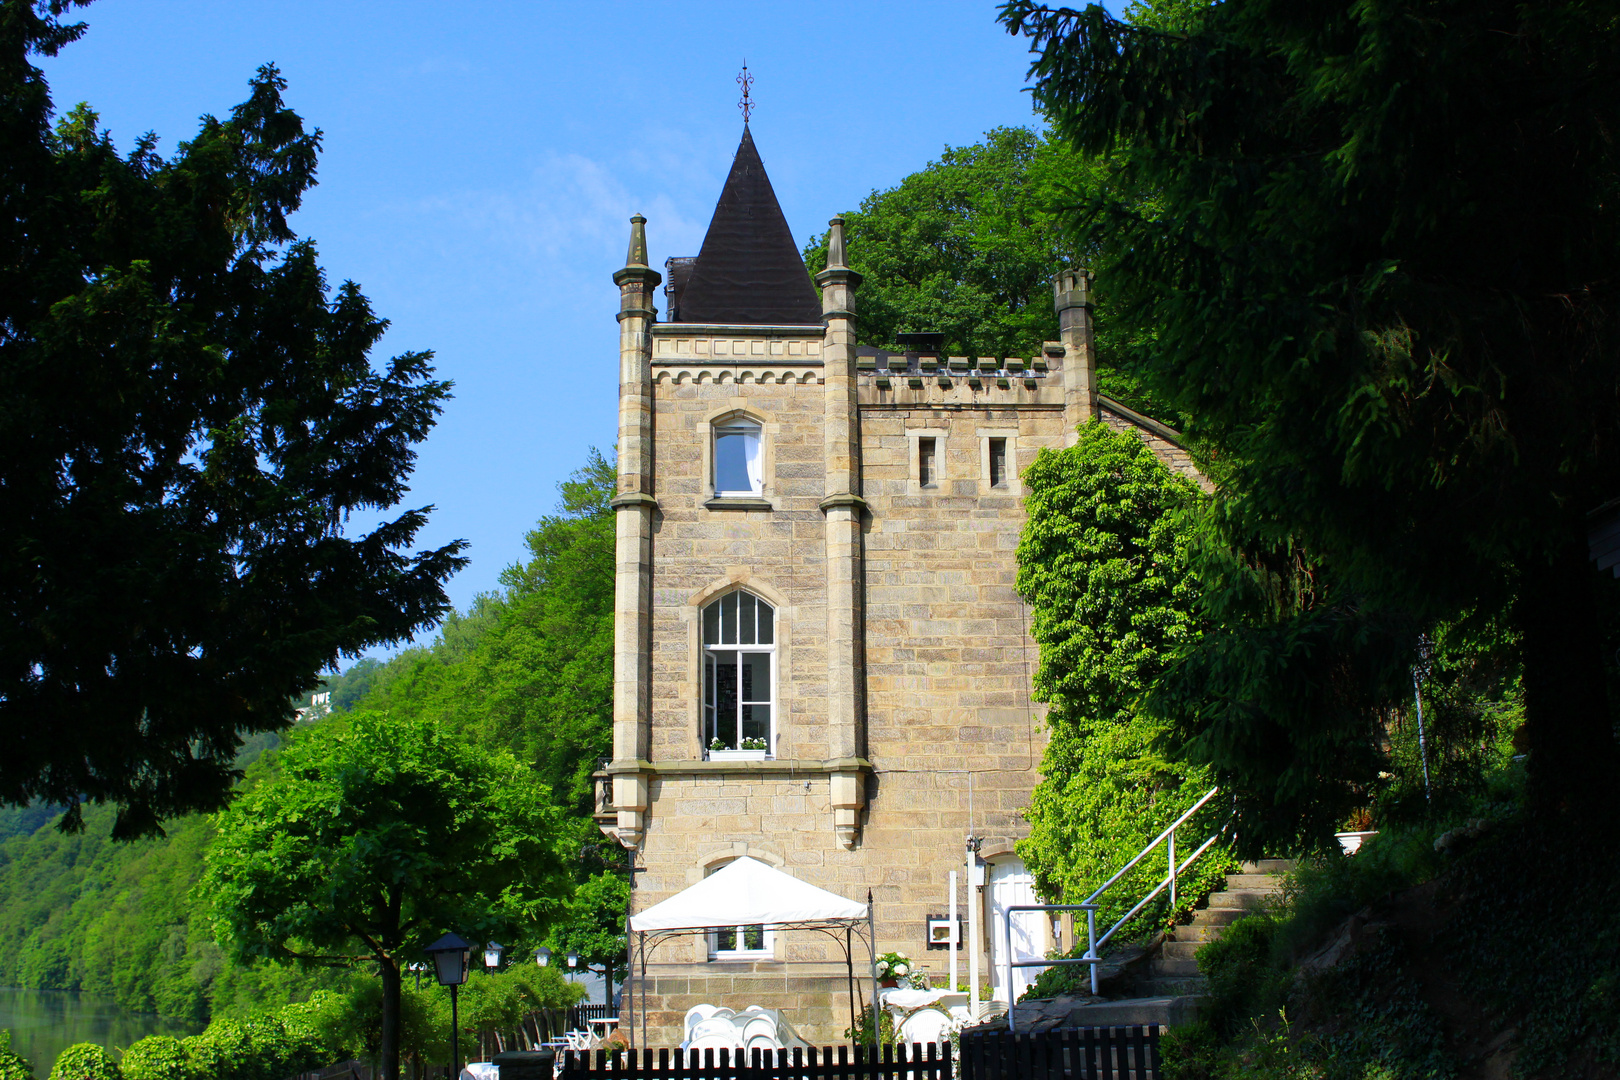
{"x":1211,"y":916}
{"x":1268,"y":866}
{"x":1172,"y":986}
{"x":1268,"y":882}
{"x":1172,"y":1010}
{"x":1179,"y":949}
{"x":1199,"y":933}
{"x":1246,"y":899}
{"x":1174,"y":966}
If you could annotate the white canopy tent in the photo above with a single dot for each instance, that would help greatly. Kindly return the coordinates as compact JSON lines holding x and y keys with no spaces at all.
{"x":747,"y":892}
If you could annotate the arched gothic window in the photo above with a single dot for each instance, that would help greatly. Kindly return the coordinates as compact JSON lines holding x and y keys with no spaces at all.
{"x":739,"y":673}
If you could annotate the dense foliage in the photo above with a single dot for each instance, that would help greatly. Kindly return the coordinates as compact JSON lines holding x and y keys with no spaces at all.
{"x":191,"y":415}
{"x":1103,"y":562}
{"x":532,"y":669}
{"x":968,"y":247}
{"x":374,"y":834}
{"x":1383,"y":273}
{"x":1436,"y":950}
{"x":85,"y":1061}
{"x":124,"y":919}
{"x":592,"y":924}
{"x":13,"y":1066}
{"x":84,"y":912}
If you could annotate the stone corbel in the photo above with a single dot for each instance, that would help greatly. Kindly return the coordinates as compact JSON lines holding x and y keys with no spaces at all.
{"x":630,"y":803}
{"x":848,"y":799}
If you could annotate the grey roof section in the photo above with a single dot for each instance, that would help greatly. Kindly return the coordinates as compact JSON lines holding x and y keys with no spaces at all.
{"x":749,"y":271}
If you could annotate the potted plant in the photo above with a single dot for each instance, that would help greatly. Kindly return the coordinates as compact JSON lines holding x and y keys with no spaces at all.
{"x":893,"y":970}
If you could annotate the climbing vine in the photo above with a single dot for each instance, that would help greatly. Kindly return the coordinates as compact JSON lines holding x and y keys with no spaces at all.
{"x":1103,"y":561}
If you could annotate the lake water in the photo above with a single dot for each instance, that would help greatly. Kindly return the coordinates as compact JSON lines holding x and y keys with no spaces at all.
{"x":43,"y":1022}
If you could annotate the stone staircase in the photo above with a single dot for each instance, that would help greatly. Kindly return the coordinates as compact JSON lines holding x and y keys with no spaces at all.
{"x":1171,"y":989}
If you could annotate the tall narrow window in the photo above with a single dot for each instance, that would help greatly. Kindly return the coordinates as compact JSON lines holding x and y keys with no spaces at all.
{"x":927,"y":461}
{"x":739,"y":676}
{"x":998,"y":462}
{"x":738,"y":469}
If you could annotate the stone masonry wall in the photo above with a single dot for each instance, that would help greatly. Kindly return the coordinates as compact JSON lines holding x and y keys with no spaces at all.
{"x":947,"y":664}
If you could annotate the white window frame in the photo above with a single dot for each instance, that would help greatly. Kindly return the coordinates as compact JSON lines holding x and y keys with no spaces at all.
{"x":746,"y":427}
{"x":738,"y":649}
{"x":767,"y":947}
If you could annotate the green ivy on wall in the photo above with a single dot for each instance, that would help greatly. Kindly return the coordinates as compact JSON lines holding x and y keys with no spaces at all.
{"x":1103,"y":561}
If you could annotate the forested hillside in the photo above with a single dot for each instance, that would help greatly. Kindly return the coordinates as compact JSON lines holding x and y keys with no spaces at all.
{"x":528,"y":669}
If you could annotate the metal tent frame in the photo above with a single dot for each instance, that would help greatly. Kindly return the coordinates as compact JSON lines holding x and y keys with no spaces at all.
{"x":864,"y":929}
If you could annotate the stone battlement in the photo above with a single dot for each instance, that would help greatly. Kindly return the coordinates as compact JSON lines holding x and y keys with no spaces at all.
{"x":917,"y":370}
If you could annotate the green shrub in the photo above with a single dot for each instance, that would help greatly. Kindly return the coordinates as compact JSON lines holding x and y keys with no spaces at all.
{"x":223,"y":1052}
{"x":156,"y":1057}
{"x":85,"y":1061}
{"x":1242,"y":973}
{"x":13,"y":1066}
{"x":1322,"y":893}
{"x":1063,"y":979}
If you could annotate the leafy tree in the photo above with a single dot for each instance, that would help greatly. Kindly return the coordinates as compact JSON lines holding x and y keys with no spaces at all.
{"x":526,"y":671}
{"x":375,"y":835}
{"x":968,"y":247}
{"x":593,"y":925}
{"x":534,"y":671}
{"x":190,"y":416}
{"x":1103,"y":562}
{"x":1383,"y":276}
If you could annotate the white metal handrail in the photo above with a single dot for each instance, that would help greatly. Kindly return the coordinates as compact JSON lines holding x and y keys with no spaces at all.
{"x":1093,"y":943}
{"x":1090,"y":905}
{"x":1009,"y":963}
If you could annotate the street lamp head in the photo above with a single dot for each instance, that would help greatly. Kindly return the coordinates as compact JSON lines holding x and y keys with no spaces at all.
{"x":573,"y":958}
{"x":449,"y":955}
{"x":492,"y":954}
{"x":542,"y":956}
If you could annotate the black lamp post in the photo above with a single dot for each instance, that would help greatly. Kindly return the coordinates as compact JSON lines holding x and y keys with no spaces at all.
{"x":492,"y":955}
{"x":449,"y":955}
{"x":542,"y":956}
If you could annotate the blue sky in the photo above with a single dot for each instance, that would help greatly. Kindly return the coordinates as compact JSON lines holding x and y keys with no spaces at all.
{"x":481,"y":162}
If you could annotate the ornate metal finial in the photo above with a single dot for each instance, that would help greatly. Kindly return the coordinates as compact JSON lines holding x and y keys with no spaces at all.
{"x":745,"y":80}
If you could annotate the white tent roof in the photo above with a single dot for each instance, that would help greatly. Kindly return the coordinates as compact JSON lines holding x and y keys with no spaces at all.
{"x":743,"y":893}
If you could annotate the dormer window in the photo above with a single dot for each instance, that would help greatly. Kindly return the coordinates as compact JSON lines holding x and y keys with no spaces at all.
{"x":738,"y":462}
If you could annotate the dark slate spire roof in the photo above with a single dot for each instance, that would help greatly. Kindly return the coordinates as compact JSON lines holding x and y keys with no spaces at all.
{"x":749,"y":271}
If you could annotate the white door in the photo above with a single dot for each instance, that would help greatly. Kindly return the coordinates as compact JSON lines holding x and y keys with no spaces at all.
{"x":1012,"y":886}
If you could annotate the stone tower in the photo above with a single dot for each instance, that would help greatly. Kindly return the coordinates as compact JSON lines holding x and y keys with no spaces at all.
{"x":820,"y":658}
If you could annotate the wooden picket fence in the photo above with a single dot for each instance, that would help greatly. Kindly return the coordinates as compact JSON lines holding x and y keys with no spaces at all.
{"x":1100,"y":1053}
{"x":916,"y":1062}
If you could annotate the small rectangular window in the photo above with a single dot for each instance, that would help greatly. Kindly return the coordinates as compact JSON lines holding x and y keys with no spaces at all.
{"x":927,"y":462}
{"x":737,"y":468}
{"x":998,"y":462}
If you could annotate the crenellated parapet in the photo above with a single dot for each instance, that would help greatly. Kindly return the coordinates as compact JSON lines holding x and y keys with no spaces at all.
{"x":918,"y":379}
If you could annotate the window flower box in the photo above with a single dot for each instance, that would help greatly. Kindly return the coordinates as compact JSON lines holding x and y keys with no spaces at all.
{"x":738,"y":755}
